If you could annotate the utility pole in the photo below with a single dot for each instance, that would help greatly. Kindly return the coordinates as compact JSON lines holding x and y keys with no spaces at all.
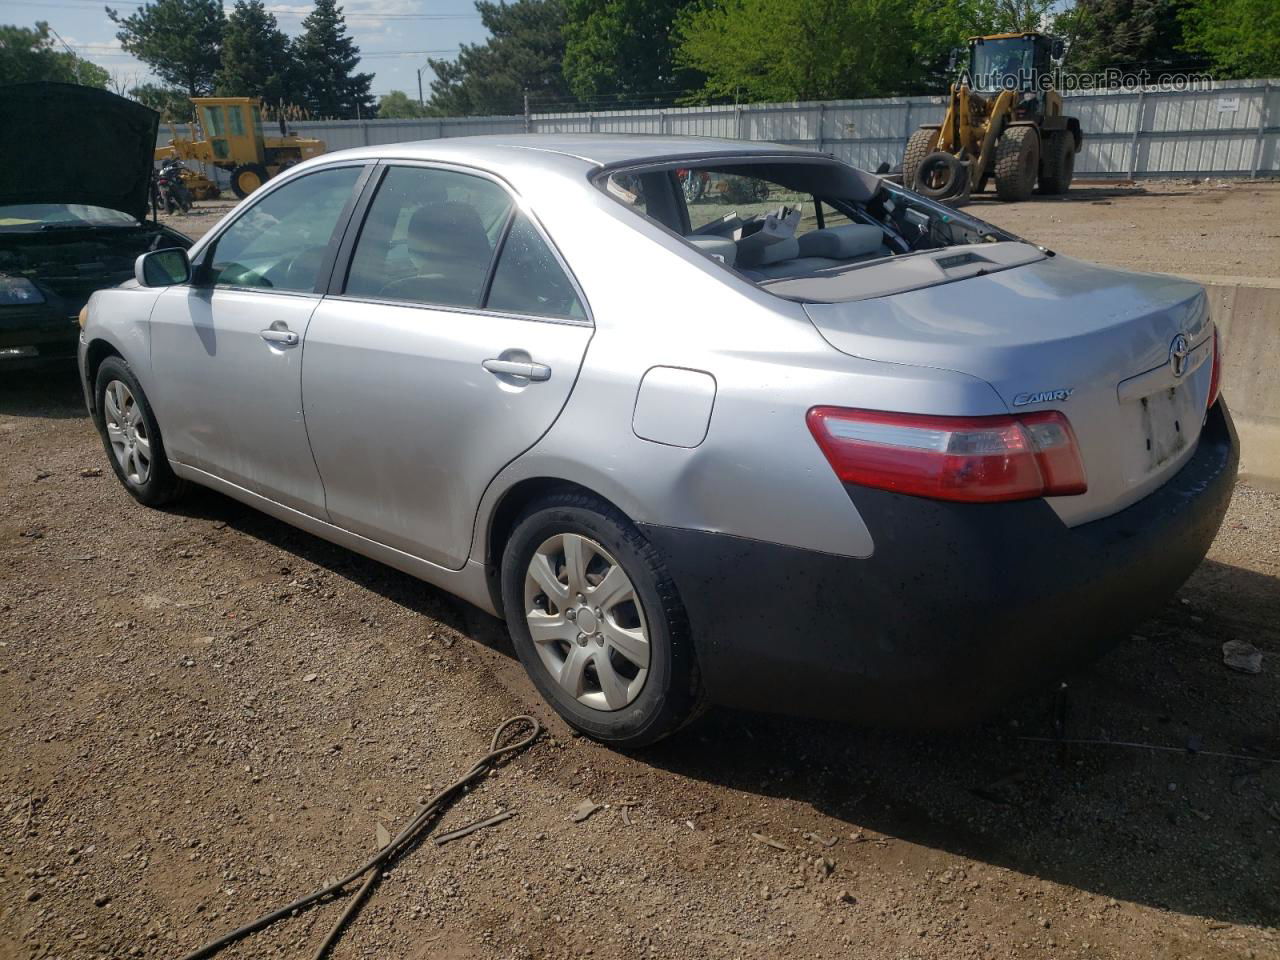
{"x":421,"y":102}
{"x":528,"y":125}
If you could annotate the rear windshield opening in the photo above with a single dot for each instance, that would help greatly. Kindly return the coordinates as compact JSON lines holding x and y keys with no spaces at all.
{"x":794,"y":227}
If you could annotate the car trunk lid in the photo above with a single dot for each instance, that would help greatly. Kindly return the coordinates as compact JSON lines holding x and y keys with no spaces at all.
{"x":1096,"y":343}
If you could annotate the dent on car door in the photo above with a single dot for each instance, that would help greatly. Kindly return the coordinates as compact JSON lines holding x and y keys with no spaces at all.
{"x":450,"y":347}
{"x":226,"y":350}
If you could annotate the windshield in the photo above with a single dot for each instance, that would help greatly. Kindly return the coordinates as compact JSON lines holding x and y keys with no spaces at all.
{"x":40,"y":215}
{"x":1003,"y":64}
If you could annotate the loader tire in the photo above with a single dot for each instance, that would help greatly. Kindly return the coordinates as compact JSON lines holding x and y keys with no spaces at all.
{"x":1058,"y":163}
{"x":247,"y":178}
{"x":1017,"y":163}
{"x":919,"y":145}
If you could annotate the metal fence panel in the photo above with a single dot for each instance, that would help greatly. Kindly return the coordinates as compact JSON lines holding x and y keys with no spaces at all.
{"x":1231,"y":129}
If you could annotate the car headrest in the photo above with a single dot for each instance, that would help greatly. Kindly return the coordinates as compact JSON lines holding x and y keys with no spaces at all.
{"x":842,"y":243}
{"x":785,"y":249}
{"x":450,"y":231}
{"x":721,"y":248}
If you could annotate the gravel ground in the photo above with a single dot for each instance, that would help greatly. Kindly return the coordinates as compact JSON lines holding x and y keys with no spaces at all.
{"x":205,"y":712}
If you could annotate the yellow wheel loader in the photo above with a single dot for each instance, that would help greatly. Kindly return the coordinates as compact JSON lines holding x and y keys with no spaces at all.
{"x":1003,"y":120}
{"x":231,"y":138}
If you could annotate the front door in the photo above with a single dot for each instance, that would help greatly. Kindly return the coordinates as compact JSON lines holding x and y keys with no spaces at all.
{"x":451,"y":348}
{"x":227,"y":350}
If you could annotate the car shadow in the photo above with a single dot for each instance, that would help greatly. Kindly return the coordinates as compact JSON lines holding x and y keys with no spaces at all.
{"x":1177,"y":831}
{"x":50,"y":390}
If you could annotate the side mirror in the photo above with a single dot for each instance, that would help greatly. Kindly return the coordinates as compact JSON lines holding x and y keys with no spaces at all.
{"x":162,"y":268}
{"x":953,"y":58}
{"x":1057,"y":48}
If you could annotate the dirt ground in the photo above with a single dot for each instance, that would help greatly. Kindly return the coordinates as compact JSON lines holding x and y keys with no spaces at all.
{"x":204,"y":713}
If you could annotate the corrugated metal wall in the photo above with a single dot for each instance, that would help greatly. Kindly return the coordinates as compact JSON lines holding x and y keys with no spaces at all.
{"x":1232,"y":129}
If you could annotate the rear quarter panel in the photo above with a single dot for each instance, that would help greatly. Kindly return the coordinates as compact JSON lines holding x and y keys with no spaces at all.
{"x":758,"y":473}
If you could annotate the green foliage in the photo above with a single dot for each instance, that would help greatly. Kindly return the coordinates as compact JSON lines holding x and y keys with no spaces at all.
{"x":181,"y":40}
{"x":624,"y":49}
{"x":173,"y":104}
{"x":328,"y":59}
{"x":1126,"y":34}
{"x":523,"y":53}
{"x":1240,"y":37}
{"x":29,"y":55}
{"x":800,"y":49}
{"x":256,"y":59}
{"x":398,"y":105}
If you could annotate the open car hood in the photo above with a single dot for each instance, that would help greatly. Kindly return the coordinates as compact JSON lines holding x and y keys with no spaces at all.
{"x":70,"y":144}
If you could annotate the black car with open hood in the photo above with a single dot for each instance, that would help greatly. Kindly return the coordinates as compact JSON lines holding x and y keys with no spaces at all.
{"x":75,"y":188}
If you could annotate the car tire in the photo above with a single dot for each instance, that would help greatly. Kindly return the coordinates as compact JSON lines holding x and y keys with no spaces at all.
{"x":940,"y":175}
{"x":920,"y":144}
{"x":131,"y":436}
{"x":626,"y":694}
{"x":1017,"y":163}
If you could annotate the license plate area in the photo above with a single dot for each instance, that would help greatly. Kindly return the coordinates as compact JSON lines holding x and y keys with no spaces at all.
{"x":1164,"y":425}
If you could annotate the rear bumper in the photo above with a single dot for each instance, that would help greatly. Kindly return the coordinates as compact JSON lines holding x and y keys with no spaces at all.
{"x":961,"y":608}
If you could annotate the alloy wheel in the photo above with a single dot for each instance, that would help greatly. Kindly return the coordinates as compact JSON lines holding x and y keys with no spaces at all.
{"x":127,"y":432}
{"x":586,"y":622}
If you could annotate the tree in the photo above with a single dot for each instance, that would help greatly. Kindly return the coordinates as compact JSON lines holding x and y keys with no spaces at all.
{"x":172,"y":103}
{"x":833,"y":48}
{"x":397,"y":105}
{"x":1240,"y":37}
{"x":624,"y":49}
{"x":256,"y":59}
{"x":1125,"y":34}
{"x":30,"y":55}
{"x":181,"y":40}
{"x":330,"y":84}
{"x":523,"y":54}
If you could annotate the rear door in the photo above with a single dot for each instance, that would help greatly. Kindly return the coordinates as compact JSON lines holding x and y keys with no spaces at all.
{"x":447,"y":347}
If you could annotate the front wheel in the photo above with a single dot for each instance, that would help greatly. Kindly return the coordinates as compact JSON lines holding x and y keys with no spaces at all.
{"x":597,"y":622}
{"x":131,"y":436}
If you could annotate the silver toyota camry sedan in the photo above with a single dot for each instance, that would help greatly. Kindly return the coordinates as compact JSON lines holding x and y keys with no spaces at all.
{"x":704,"y":421}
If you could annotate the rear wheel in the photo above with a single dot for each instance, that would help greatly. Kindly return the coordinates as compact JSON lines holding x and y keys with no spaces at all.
{"x":919,"y":145}
{"x":1017,"y":163}
{"x":247,"y":178}
{"x":597,"y":622}
{"x":1059,"y":163}
{"x":132,"y":437}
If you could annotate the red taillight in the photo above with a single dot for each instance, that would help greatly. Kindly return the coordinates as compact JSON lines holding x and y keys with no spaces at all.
{"x":972,"y":459}
{"x":1215,"y":377}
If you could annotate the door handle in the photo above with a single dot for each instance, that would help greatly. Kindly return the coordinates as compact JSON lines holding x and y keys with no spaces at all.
{"x":518,"y":368}
{"x":279,"y":336}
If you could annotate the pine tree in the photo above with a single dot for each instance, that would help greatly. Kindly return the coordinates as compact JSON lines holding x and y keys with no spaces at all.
{"x":331,"y":85}
{"x":523,"y":54}
{"x":181,"y":40}
{"x":256,"y":58}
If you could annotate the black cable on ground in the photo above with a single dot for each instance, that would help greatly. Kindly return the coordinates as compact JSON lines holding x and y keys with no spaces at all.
{"x":402,"y":842}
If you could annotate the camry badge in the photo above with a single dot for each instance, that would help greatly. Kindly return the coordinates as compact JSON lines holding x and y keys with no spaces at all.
{"x":1044,"y":396}
{"x":1179,"y":350}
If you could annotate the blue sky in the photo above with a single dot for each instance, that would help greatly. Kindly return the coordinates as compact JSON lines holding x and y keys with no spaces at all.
{"x":395,"y":36}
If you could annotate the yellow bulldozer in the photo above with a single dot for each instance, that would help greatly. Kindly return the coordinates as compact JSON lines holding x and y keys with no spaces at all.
{"x":1004,"y":119}
{"x":230,"y":137}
